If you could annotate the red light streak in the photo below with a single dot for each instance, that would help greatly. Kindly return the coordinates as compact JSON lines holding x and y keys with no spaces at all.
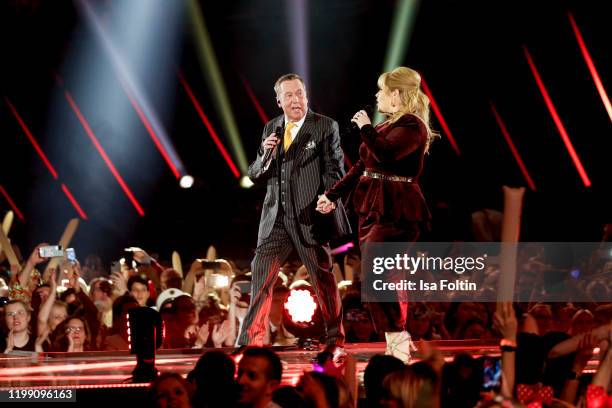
{"x":513,"y":149}
{"x":147,"y":125}
{"x":103,"y":154}
{"x":589,"y":61}
{"x":258,"y":107}
{"x":438,"y":113}
{"x":80,"y":366}
{"x":11,"y":202}
{"x":555,"y":116}
{"x":74,"y":202}
{"x":208,"y":125}
{"x":31,"y":138}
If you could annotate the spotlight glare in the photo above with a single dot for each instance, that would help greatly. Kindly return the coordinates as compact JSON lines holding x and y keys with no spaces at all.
{"x":245,"y":182}
{"x":186,"y":181}
{"x":301,"y":305}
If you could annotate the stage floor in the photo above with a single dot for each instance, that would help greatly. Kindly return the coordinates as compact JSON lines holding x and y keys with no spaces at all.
{"x":113,"y":369}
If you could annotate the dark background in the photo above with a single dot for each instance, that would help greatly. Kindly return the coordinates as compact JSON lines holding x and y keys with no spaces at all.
{"x":470,"y":53}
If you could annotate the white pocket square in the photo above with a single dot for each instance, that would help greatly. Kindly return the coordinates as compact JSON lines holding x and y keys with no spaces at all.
{"x":311,"y":145}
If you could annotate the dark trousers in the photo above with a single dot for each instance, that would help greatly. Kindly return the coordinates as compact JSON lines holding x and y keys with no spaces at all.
{"x":270,"y":255}
{"x":388,"y":316}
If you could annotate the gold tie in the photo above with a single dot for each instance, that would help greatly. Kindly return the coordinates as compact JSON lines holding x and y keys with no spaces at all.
{"x":287,"y":138}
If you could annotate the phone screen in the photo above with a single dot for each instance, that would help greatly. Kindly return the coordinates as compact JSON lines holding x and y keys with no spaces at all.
{"x":71,"y":255}
{"x":491,"y":373}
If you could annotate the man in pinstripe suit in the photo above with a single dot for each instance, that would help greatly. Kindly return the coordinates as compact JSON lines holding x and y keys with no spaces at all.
{"x":304,"y":159}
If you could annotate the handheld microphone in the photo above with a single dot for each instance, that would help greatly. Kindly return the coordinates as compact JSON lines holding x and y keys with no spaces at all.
{"x":368,"y":109}
{"x":278,"y":131}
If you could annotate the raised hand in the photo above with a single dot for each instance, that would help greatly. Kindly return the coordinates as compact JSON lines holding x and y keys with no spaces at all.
{"x":505,"y":321}
{"x":10,"y":341}
{"x":199,"y":288}
{"x":40,"y":340}
{"x":220,"y":333}
{"x":120,"y":282}
{"x":203,"y":334}
{"x":140,"y":255}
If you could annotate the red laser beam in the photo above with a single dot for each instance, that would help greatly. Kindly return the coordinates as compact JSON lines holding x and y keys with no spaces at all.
{"x":555,"y":116}
{"x":589,"y":61}
{"x":258,"y":107}
{"x":103,"y":154}
{"x":515,"y":153}
{"x":11,"y":203}
{"x":31,"y":138}
{"x":208,"y":125}
{"x":74,"y":202}
{"x":147,"y":124}
{"x":438,"y":113}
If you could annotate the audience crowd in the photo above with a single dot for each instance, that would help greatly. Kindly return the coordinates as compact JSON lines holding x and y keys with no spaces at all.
{"x":545,"y":347}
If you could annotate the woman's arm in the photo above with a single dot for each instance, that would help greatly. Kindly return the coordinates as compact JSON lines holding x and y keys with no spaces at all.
{"x":505,"y":320}
{"x":572,"y":344}
{"x":397,"y":143}
{"x":45,"y":309}
{"x":347,"y":183}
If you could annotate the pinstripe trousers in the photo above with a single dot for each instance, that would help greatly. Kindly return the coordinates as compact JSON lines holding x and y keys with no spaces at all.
{"x":270,"y":255}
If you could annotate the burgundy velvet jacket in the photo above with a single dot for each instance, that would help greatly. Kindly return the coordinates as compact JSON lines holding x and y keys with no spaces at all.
{"x":395,"y":149}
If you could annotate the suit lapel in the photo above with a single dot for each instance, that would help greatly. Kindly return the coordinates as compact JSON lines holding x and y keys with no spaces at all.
{"x":303,"y":136}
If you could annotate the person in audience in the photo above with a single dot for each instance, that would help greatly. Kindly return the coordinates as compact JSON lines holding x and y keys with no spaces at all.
{"x":51,"y":313}
{"x":288,"y":396}
{"x":278,"y":335}
{"x":139,"y":289}
{"x":170,"y":279}
{"x":319,"y":390}
{"x":101,"y":293}
{"x":182,"y":330}
{"x":213,"y":377}
{"x":73,"y":336}
{"x":92,"y":268}
{"x":259,"y":374}
{"x":375,"y":372}
{"x":17,"y":315}
{"x":424,"y":323}
{"x":118,"y":339}
{"x":169,"y":390}
{"x":582,"y":322}
{"x":414,"y":386}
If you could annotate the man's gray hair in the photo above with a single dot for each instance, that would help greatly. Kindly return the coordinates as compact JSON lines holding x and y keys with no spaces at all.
{"x":287,"y":77}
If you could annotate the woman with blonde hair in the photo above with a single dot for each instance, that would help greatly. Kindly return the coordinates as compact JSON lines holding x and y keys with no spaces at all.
{"x":385,"y":180}
{"x":415,"y":386}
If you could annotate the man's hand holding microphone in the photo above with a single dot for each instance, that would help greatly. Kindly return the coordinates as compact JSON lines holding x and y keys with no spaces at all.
{"x":269,"y":144}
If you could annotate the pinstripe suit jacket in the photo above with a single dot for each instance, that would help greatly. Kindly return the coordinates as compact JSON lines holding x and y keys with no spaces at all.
{"x":312,"y":164}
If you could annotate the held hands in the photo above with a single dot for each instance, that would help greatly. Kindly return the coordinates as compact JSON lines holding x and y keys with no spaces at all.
{"x":324,"y":205}
{"x":361,"y":119}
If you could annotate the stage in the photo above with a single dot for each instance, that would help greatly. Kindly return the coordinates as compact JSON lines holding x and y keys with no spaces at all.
{"x":107,"y":374}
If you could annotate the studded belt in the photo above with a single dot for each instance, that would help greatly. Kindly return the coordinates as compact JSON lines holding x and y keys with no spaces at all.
{"x":387,"y":177}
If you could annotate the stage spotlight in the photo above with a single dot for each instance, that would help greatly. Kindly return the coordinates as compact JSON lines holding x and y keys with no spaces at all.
{"x":245,"y":182}
{"x":302,"y":316}
{"x":186,"y":181}
{"x":144,"y":336}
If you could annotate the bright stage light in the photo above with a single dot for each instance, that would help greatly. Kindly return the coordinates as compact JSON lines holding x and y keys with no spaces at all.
{"x":399,"y":37}
{"x":212,"y":73}
{"x":302,"y":315}
{"x":186,"y":181}
{"x":245,"y":182}
{"x":301,"y":306}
